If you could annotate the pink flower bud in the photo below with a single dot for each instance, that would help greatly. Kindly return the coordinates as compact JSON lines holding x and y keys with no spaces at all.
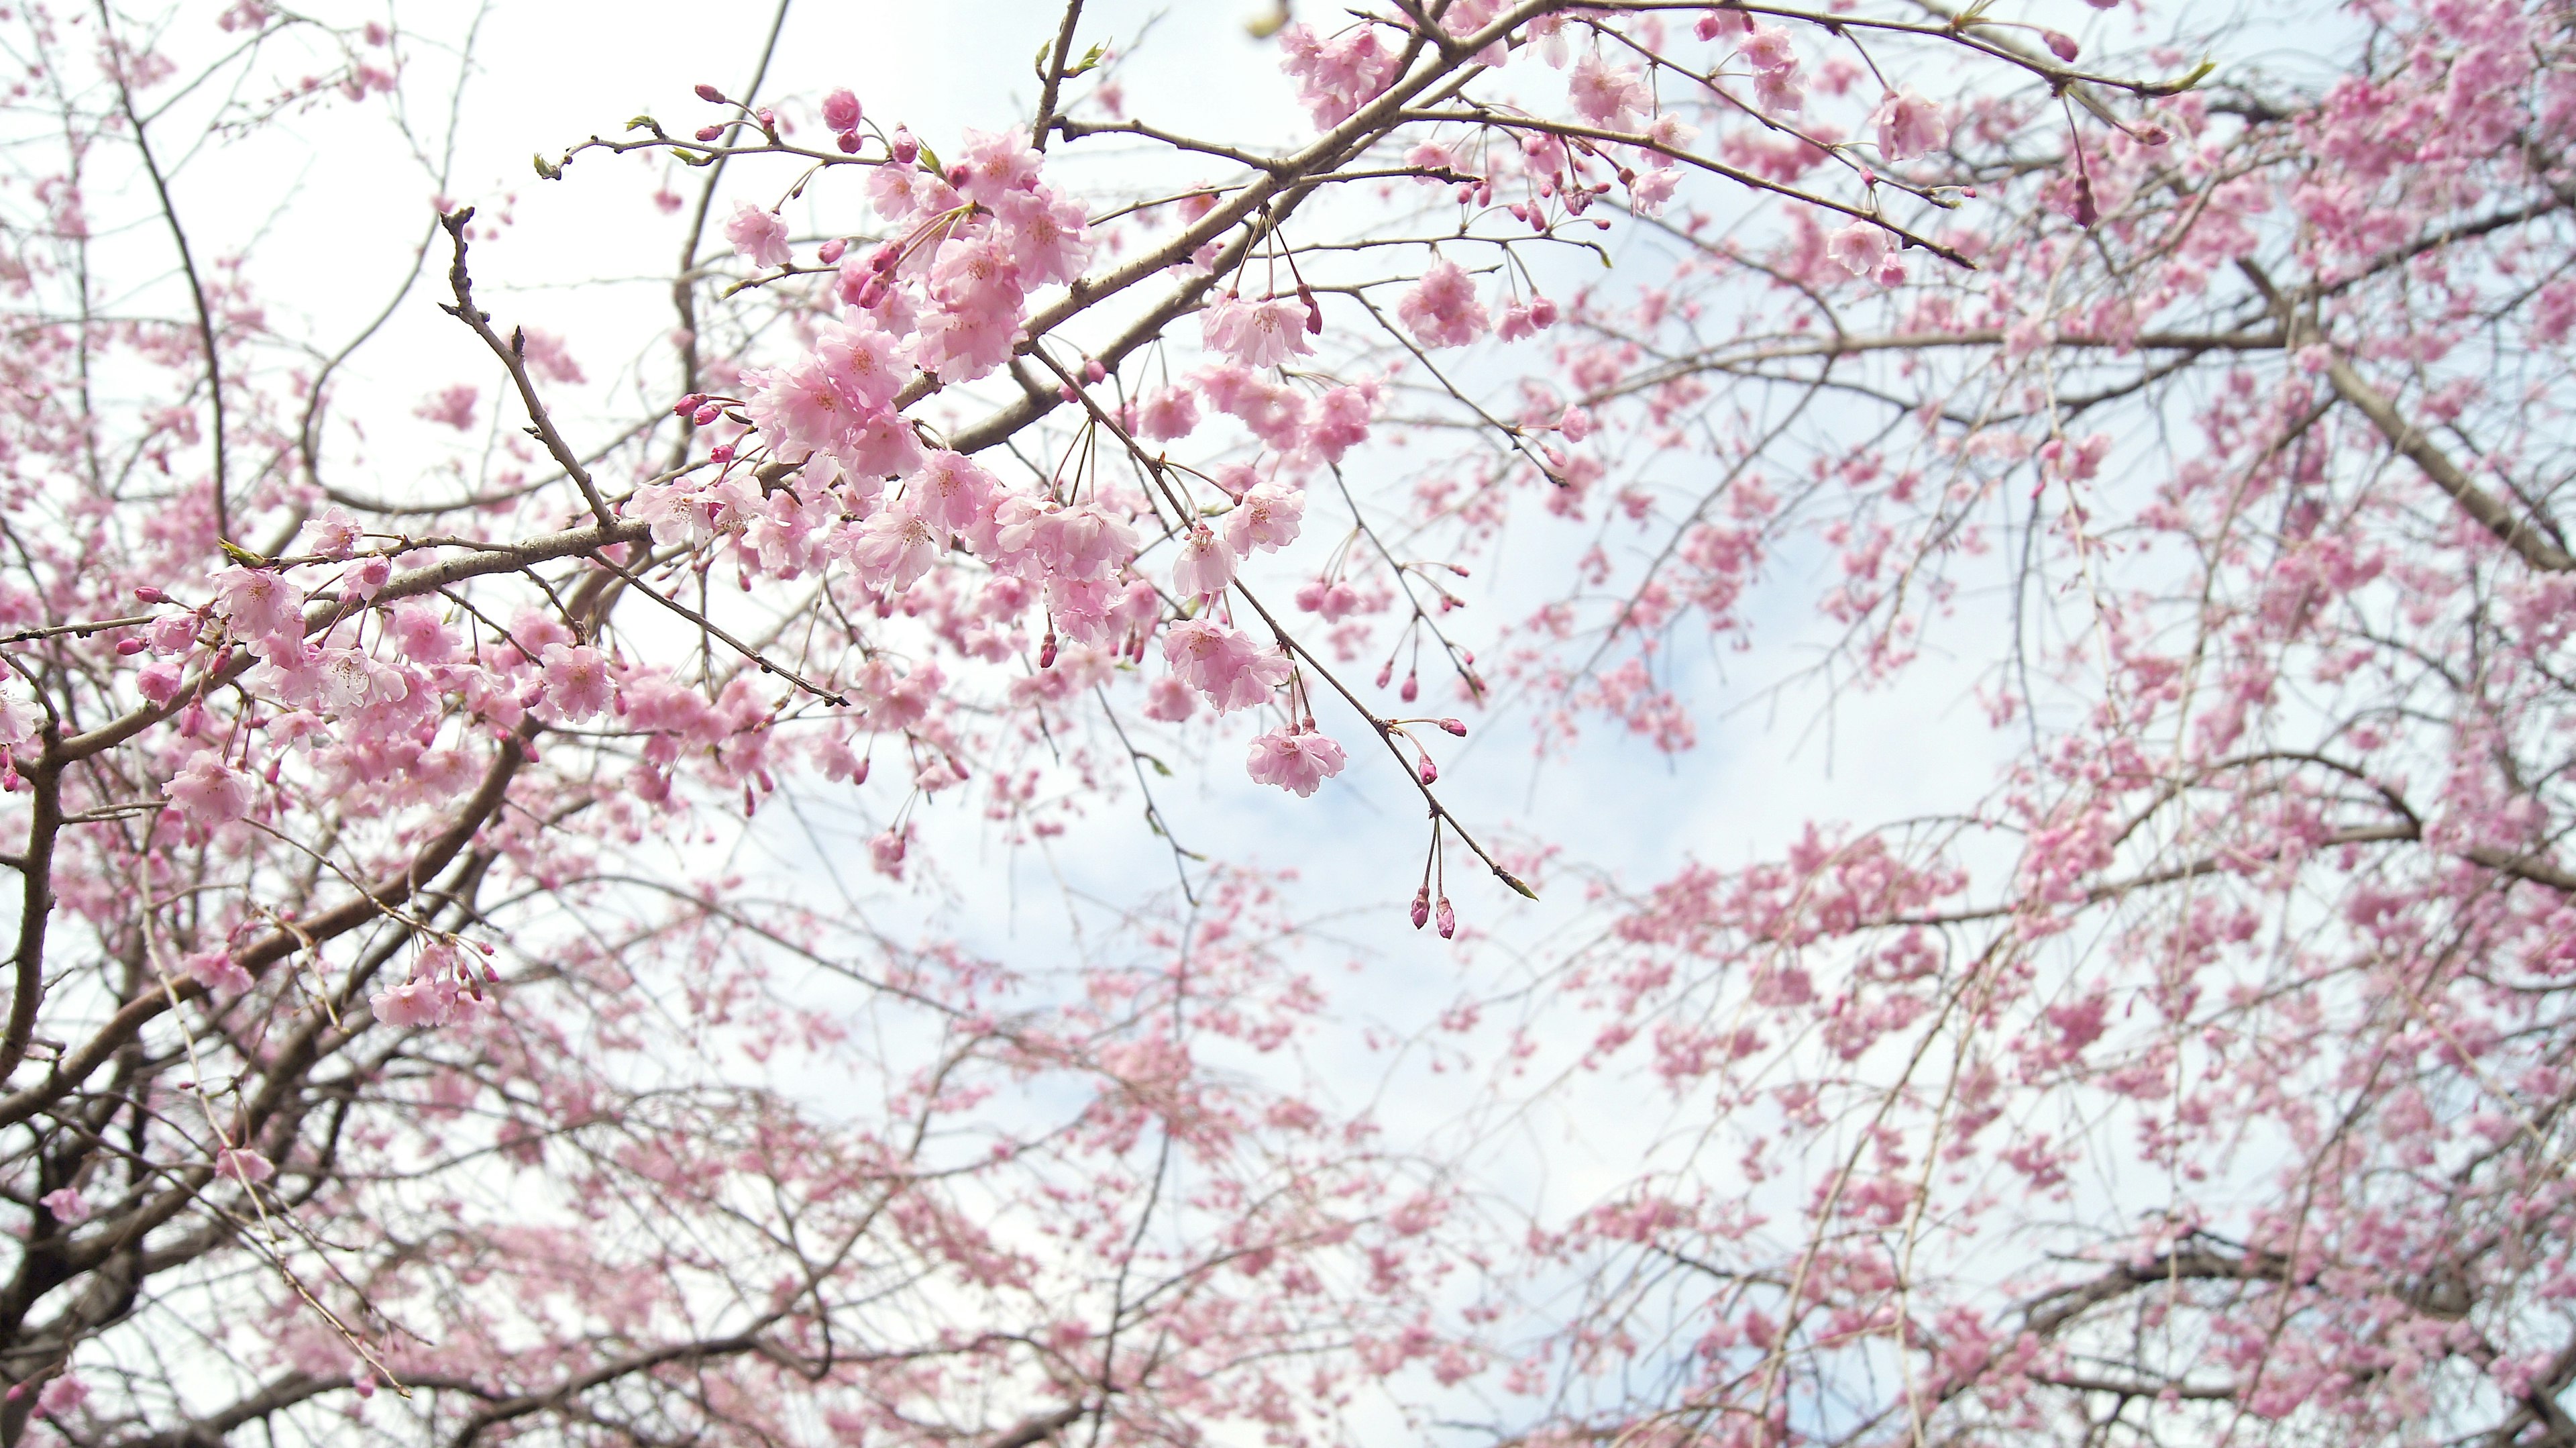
{"x":707,"y":414}
{"x":905,"y":149}
{"x":841,"y":110}
{"x":710,"y":133}
{"x":1455,"y":726}
{"x":2060,"y":44}
{"x":148,"y":594}
{"x":689,"y":404}
{"x":848,"y":141}
{"x":830,"y":251}
{"x":131,"y":646}
{"x":720,"y":454}
{"x":1092,"y":371}
{"x":1429,"y":771}
{"x":1421,"y":907}
{"x":1412,"y":689}
{"x":1448,"y":920}
{"x":710,"y":94}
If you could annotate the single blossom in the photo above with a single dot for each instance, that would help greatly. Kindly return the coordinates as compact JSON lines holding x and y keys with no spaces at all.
{"x":242,"y":1164}
{"x":415,"y":1002}
{"x":1299,"y":760}
{"x":1169,"y":699}
{"x":1268,"y":518}
{"x":1858,"y":248}
{"x":1206,"y":564}
{"x":67,"y":1204}
{"x":208,"y":792}
{"x":1256,"y":334}
{"x":758,"y":236}
{"x":1909,"y":125}
{"x":256,"y":602}
{"x":216,"y":970}
{"x":1442,"y":310}
{"x":579,"y":682}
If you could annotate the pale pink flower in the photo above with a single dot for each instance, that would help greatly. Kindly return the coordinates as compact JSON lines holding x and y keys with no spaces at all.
{"x":951,"y":492}
{"x":257,"y":602}
{"x":1337,"y":76}
{"x":1858,"y":248}
{"x":450,"y":407}
{"x":216,"y":970}
{"x":1170,"y":700}
{"x":1224,"y":664}
{"x":1648,"y":193}
{"x":62,"y":1396}
{"x":1268,"y":518}
{"x":758,"y":235}
{"x":243,"y":1165}
{"x":1909,"y":125}
{"x":1167,"y":413}
{"x":421,"y":634}
{"x":1205,"y":567}
{"x":1298,"y":760}
{"x":579,"y":682}
{"x":1085,"y":541}
{"x":369,"y":577}
{"x":1442,"y":309}
{"x":18,"y":722}
{"x":1050,"y":237}
{"x":886,"y":851}
{"x":159,"y":681}
{"x":841,"y":111}
{"x":862,"y":361}
{"x":332,"y":535}
{"x":997,"y":163}
{"x":894,"y":549}
{"x":68,"y":1206}
{"x":173,"y":633}
{"x":207,"y":792}
{"x":1256,"y":334}
{"x":1609,"y":96}
{"x":415,"y":1002}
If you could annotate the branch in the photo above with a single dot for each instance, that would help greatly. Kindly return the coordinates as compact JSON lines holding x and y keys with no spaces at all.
{"x":513,"y":356}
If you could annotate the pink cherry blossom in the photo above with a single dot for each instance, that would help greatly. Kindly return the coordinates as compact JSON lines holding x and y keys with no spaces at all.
{"x":579,"y":682}
{"x":1858,"y":248}
{"x":1224,"y":664}
{"x":1442,"y":309}
{"x":1909,"y":125}
{"x":1256,"y":334}
{"x":1206,"y":564}
{"x":758,"y":236}
{"x":1298,"y":760}
{"x":1267,"y":518}
{"x":256,"y":602}
{"x":208,"y":792}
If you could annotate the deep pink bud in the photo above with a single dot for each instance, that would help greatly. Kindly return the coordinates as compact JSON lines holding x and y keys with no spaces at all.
{"x":1455,"y":726}
{"x":131,"y":646}
{"x":768,"y":122}
{"x":707,"y":414}
{"x":710,"y":94}
{"x":2061,"y":44}
{"x":841,"y":111}
{"x":906,"y":150}
{"x":1386,"y":673}
{"x":710,"y":133}
{"x":1421,"y":907}
{"x":1412,"y":689}
{"x":884,"y":258}
{"x":688,"y":404}
{"x":1092,"y":371}
{"x":848,"y":141}
{"x":1448,"y":920}
{"x":1429,"y":771}
{"x":830,"y":251}
{"x":720,"y":454}
{"x":958,"y":176}
{"x":148,"y":594}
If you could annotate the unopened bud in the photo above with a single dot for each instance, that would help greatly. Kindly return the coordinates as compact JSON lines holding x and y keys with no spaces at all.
{"x":2060,"y":44}
{"x":710,"y":133}
{"x":707,"y":414}
{"x":1429,"y":771}
{"x":848,"y":141}
{"x":710,"y":94}
{"x":1092,"y":371}
{"x":148,"y":594}
{"x":1455,"y":726}
{"x":689,"y":404}
{"x":1448,"y":920}
{"x":906,"y":150}
{"x":1412,"y":689}
{"x":830,"y":251}
{"x":131,"y":646}
{"x":1421,"y":907}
